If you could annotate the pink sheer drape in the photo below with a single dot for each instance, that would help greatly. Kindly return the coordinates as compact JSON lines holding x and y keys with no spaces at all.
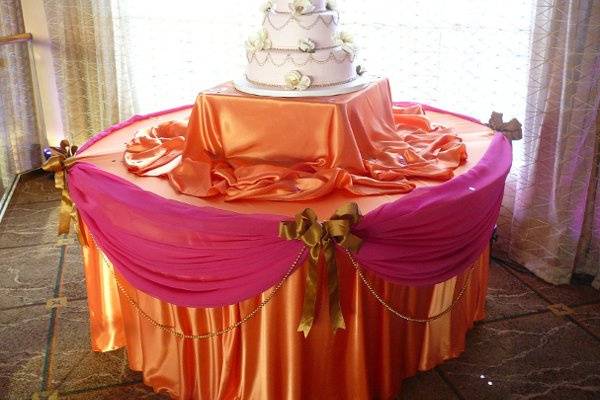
{"x":216,"y":257}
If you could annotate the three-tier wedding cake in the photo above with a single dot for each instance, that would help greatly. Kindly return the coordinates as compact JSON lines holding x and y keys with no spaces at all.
{"x":300,"y":51}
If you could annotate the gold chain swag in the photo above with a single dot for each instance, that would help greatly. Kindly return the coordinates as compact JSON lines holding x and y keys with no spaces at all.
{"x":317,"y":238}
{"x":391,"y":309}
{"x":171,"y":330}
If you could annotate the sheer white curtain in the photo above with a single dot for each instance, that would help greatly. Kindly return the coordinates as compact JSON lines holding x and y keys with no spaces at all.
{"x":21,"y":140}
{"x":92,"y":94}
{"x":470,"y":56}
{"x":550,"y":222}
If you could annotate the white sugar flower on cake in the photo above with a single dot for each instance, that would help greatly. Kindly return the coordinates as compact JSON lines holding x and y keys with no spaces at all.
{"x":346,"y":41}
{"x":299,"y":7}
{"x":296,"y":81}
{"x":267,"y":6}
{"x":332,"y":5}
{"x":307,"y":45}
{"x":259,"y":41}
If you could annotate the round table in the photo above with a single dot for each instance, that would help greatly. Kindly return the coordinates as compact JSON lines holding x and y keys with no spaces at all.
{"x":265,"y":357}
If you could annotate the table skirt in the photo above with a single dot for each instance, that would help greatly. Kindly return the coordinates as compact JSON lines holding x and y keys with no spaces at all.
{"x":266,"y":358}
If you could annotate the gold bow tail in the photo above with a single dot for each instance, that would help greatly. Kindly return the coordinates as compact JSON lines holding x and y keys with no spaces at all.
{"x":322,"y":238}
{"x":61,"y":159}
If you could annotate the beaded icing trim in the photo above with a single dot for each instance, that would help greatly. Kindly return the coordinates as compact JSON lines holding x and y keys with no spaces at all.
{"x":282,"y":49}
{"x":332,"y":20}
{"x":309,"y":58}
{"x":285,"y":87}
{"x":274,"y":11}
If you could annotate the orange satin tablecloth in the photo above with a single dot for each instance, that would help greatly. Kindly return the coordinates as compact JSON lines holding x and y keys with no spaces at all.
{"x":267,"y":358}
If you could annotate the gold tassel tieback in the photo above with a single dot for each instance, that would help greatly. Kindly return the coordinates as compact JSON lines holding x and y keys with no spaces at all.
{"x":61,"y":160}
{"x":322,"y":238}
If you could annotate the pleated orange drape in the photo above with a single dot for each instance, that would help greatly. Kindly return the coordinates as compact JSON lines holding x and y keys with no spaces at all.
{"x":267,"y":358}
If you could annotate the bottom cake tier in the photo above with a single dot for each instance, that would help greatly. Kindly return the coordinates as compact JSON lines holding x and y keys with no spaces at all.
{"x":325,"y":68}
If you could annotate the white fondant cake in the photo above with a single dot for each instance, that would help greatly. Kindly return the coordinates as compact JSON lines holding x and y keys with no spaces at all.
{"x":301,"y":46}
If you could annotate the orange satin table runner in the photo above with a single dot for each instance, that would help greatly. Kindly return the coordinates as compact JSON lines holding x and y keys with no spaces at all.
{"x":267,"y":358}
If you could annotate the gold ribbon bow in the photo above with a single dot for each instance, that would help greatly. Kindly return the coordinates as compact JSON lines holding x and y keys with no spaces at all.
{"x":60,"y":161}
{"x":513,"y":130}
{"x":323,"y":238}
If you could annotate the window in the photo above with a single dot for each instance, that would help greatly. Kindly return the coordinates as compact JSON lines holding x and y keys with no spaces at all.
{"x":468,"y":56}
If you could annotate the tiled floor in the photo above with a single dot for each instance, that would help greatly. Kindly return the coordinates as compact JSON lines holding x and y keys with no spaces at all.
{"x":522,"y":350}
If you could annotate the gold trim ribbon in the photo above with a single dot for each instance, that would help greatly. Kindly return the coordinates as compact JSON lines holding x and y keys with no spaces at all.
{"x":322,"y":238}
{"x":60,"y":161}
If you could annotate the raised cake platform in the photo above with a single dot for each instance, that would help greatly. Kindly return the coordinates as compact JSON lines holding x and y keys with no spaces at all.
{"x":245,"y":147}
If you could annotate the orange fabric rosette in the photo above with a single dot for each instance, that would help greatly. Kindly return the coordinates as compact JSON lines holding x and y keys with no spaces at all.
{"x":155,"y":151}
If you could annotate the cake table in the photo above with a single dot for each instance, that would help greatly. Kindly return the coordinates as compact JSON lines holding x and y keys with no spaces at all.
{"x":407,"y":297}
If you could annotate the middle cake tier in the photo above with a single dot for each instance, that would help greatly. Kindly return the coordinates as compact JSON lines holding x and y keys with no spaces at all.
{"x":326,"y":67}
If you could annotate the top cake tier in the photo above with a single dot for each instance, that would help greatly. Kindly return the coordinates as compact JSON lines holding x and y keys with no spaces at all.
{"x":285,"y":30}
{"x":284,"y":5}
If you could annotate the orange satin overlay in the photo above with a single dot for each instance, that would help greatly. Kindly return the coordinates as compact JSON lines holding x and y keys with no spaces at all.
{"x":238,"y":146}
{"x":267,"y":358}
{"x":107,"y":153}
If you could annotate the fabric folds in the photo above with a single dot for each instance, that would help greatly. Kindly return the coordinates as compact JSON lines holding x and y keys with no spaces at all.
{"x":190,"y":264}
{"x":267,"y":358}
{"x":243,"y":147}
{"x":203,"y":256}
{"x":200,"y":255}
